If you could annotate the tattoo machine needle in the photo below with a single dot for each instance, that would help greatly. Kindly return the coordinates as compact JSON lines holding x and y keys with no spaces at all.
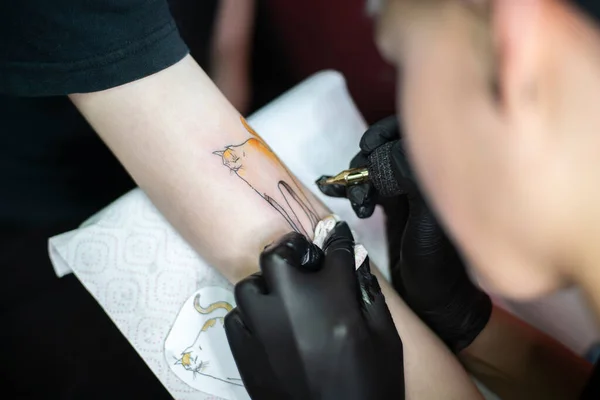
{"x":348,"y":177}
{"x":378,"y":172}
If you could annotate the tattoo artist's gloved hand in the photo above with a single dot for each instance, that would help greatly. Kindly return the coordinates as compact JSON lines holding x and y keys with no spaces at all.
{"x":309,"y":326}
{"x":428,"y":272}
{"x":363,"y":197}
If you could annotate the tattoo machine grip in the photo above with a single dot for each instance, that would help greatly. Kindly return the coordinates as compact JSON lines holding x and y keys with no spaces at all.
{"x":381,"y":171}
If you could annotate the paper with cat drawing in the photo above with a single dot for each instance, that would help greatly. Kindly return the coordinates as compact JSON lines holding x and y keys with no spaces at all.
{"x":196,"y":348}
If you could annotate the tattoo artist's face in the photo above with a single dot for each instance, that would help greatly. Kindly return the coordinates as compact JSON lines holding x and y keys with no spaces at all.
{"x":502,"y":132}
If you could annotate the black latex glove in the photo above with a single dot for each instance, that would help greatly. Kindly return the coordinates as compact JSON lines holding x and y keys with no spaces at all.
{"x":363,"y":197}
{"x":309,"y":326}
{"x":428,"y":273}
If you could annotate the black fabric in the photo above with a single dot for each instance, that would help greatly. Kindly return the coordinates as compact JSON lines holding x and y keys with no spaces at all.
{"x":55,"y":341}
{"x":64,"y":46}
{"x":591,"y":7}
{"x":53,"y":166}
{"x":592,"y":389}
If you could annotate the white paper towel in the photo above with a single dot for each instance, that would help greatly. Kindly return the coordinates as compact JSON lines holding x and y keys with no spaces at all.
{"x":143,"y":273}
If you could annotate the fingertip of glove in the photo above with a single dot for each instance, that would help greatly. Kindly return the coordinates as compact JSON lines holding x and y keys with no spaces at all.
{"x":250,"y":287}
{"x":340,"y":237}
{"x":320,"y":179}
{"x":233,"y":320}
{"x":360,"y":193}
{"x":294,"y":249}
{"x":379,"y":133}
{"x":331,"y":190}
{"x":284,"y":244}
{"x":236,"y":330}
{"x":313,"y":258}
{"x":367,"y":281}
{"x":362,"y":200}
{"x":363,"y":212}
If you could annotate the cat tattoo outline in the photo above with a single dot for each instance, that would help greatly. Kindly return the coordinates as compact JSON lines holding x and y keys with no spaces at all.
{"x":254,"y":162}
{"x":190,"y":358}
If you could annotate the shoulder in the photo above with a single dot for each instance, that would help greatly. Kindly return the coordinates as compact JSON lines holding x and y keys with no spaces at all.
{"x":73,"y":46}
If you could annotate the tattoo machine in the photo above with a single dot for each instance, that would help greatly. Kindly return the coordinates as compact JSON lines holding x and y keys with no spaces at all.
{"x":378,"y":171}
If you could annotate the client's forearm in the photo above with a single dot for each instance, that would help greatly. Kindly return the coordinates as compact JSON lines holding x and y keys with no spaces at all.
{"x":214,"y":179}
{"x":517,"y":361}
{"x":430,"y":370}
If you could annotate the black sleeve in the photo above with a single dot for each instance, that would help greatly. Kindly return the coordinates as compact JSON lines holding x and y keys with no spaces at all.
{"x":57,"y":47}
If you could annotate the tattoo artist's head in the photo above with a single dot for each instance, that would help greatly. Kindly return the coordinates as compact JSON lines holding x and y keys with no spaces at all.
{"x":501,"y":105}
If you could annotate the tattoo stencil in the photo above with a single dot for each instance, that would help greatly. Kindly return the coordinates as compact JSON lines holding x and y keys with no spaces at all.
{"x":190,"y":358}
{"x":196,"y":348}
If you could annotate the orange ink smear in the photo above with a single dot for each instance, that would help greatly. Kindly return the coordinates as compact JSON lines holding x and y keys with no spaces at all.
{"x":261,"y":147}
{"x":249,"y":128}
{"x":258,"y":143}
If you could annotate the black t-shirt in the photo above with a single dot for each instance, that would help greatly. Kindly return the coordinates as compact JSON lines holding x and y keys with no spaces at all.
{"x":52,"y":165}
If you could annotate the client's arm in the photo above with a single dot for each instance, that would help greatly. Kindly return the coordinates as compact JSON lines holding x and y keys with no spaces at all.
{"x":520,"y":362}
{"x":188,"y":149}
{"x":218,"y":184}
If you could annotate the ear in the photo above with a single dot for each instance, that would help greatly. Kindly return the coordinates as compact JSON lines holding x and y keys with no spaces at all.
{"x":517,"y":29}
{"x":219,"y":153}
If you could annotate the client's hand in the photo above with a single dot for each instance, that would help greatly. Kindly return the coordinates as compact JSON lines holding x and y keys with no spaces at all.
{"x":311,"y":327}
{"x":429,"y":273}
